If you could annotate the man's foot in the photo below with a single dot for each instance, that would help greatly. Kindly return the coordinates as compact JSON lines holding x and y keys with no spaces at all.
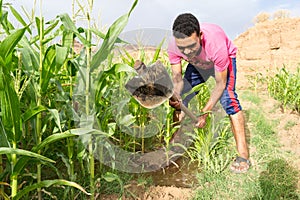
{"x":240,"y":165}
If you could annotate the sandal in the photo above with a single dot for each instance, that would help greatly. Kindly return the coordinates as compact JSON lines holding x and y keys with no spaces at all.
{"x":240,"y":165}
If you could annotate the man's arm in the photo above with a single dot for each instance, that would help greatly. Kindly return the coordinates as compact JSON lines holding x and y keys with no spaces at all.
{"x":177,"y":79}
{"x":178,"y":84}
{"x":221,"y":79}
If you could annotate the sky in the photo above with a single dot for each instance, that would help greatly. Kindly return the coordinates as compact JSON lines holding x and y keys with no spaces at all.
{"x":234,"y":16}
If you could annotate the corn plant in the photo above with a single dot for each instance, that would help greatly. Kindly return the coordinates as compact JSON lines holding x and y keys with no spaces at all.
{"x":211,"y":140}
{"x":285,"y":86}
{"x":10,"y":122}
{"x":88,"y":73}
{"x":209,"y":145}
{"x":21,"y":101}
{"x":255,"y":80}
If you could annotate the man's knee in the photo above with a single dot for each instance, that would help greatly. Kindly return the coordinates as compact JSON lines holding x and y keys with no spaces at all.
{"x":231,"y":105}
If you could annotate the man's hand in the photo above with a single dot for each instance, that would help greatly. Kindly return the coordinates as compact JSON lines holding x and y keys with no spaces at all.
{"x":202,"y":121}
{"x":174,"y":102}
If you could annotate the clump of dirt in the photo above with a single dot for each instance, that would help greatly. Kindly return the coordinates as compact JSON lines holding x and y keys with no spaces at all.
{"x":134,"y":191}
{"x":168,"y":193}
{"x":152,"y":86}
{"x":151,"y":94}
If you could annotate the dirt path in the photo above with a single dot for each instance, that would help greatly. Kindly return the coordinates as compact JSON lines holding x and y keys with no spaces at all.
{"x":288,"y":128}
{"x":287,"y":121}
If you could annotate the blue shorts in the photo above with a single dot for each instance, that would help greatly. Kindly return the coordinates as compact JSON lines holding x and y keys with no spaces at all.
{"x":229,"y":99}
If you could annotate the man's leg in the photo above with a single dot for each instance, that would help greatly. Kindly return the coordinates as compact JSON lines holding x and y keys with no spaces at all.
{"x":238,"y":128}
{"x":230,"y":103}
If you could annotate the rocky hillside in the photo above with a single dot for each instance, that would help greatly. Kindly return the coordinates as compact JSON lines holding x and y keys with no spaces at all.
{"x":269,"y":45}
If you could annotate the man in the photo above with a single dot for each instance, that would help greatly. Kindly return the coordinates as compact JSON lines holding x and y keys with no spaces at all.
{"x":209,"y":52}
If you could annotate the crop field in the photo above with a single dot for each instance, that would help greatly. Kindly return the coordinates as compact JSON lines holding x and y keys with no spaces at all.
{"x":69,"y":129}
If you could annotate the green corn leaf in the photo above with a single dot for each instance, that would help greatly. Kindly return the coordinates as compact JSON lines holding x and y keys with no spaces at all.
{"x":102,"y":35}
{"x":70,"y":26}
{"x":61,"y":56}
{"x":40,"y":25}
{"x":7,"y":150}
{"x":10,"y":108}
{"x":1,"y":3}
{"x":49,"y":66}
{"x":47,"y":141}
{"x":55,"y":115}
{"x":127,"y":120}
{"x":8,"y":45}
{"x":2,"y":83}
{"x":4,"y":142}
{"x":110,"y":177}
{"x":129,"y":60}
{"x":30,"y":57}
{"x":117,"y":68}
{"x":67,"y":38}
{"x":113,"y":33}
{"x":52,"y":24}
{"x":33,"y":112}
{"x":51,"y":139}
{"x":48,"y":183}
{"x":48,"y":30}
{"x":157,"y":51}
{"x":124,"y":68}
{"x":87,"y":131}
{"x":6,"y":25}
{"x":19,"y":18}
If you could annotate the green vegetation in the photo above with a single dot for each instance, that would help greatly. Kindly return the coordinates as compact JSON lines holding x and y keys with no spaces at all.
{"x":285,"y":87}
{"x":62,"y":112}
{"x":36,"y":89}
{"x":272,"y":175}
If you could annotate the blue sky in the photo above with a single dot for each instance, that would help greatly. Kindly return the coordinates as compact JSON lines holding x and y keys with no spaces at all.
{"x":235,"y":16}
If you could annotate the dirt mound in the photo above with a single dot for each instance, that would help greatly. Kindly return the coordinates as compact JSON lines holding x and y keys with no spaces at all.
{"x":267,"y":46}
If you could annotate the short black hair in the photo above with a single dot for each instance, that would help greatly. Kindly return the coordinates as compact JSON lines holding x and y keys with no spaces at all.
{"x":185,"y":25}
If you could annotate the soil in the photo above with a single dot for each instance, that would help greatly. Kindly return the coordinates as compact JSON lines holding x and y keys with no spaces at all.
{"x":287,"y":130}
{"x":136,"y":192}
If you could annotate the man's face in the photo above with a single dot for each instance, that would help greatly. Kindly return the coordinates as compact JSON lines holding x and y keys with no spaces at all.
{"x":189,"y":46}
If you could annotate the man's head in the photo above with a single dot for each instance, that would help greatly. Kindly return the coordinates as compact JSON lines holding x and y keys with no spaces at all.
{"x":185,"y":25}
{"x":186,"y":30}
